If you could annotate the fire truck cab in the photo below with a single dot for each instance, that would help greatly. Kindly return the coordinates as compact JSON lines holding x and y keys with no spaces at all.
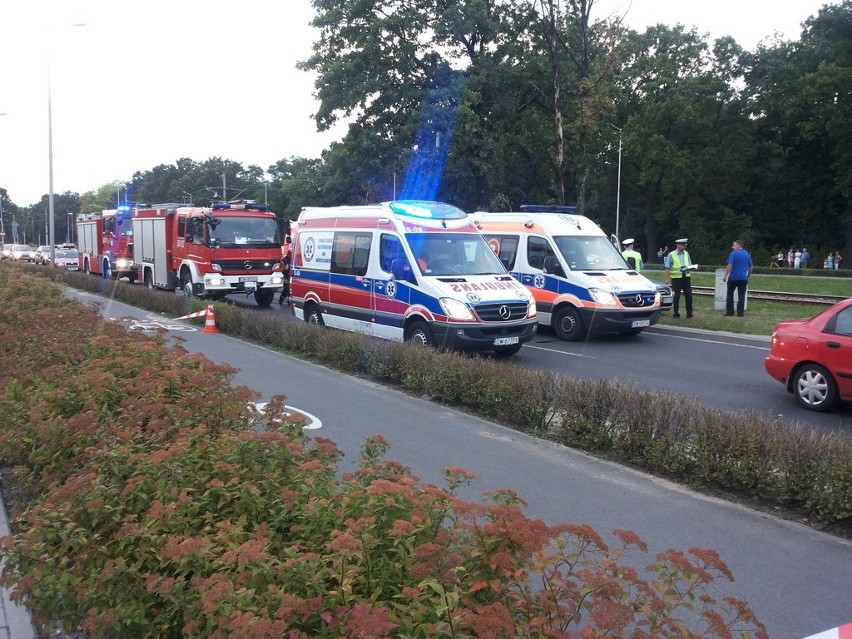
{"x":232,"y":247}
{"x":105,"y":242}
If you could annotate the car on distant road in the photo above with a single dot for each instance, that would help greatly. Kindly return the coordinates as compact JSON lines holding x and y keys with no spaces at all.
{"x":42,"y":255}
{"x":68,"y":259}
{"x":22,"y":253}
{"x":813,"y":357}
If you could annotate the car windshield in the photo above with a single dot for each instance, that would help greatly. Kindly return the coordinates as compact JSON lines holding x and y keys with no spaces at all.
{"x":447,"y":254}
{"x":66,"y":253}
{"x":244,"y":231}
{"x":590,"y":253}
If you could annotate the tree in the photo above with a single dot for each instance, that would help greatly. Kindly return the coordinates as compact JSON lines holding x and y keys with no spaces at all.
{"x":687,"y":140}
{"x":800,"y":98}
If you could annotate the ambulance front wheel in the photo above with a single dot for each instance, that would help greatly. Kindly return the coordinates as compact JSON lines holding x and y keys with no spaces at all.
{"x":420,"y":334}
{"x":568,"y":325}
{"x":313,"y":316}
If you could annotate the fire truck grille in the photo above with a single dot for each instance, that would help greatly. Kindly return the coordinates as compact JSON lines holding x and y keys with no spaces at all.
{"x":512,"y":311}
{"x":246,"y":266}
{"x":636,"y":300}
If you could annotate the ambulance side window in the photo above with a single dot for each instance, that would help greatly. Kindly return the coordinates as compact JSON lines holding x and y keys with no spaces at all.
{"x":538,"y":248}
{"x":350,"y":253}
{"x":505,"y":247}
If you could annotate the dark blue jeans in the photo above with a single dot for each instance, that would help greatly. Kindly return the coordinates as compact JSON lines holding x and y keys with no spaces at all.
{"x":740,"y":287}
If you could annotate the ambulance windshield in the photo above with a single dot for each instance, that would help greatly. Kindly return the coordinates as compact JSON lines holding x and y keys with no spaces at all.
{"x":453,"y":254}
{"x":243,"y":231}
{"x":589,"y":253}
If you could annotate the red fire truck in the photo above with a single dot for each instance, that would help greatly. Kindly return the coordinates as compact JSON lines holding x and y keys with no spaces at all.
{"x":212,"y":251}
{"x":105,"y":242}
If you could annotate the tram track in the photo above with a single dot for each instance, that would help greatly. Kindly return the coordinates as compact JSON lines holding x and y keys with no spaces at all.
{"x":776,"y":296}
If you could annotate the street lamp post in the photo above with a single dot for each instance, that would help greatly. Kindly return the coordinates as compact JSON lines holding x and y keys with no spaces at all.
{"x":618,"y":185}
{"x":51,"y":227}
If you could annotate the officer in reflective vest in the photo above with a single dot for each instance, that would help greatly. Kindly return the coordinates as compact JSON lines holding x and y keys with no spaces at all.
{"x":679,"y":277}
{"x":633,"y":258}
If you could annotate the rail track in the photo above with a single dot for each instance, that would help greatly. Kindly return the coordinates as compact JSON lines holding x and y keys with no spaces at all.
{"x":775,"y":296}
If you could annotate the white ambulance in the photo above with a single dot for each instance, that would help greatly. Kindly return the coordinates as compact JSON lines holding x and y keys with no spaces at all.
{"x":407,"y":270}
{"x":580,"y":282}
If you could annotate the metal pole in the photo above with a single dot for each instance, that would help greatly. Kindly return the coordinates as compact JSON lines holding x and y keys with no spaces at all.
{"x":51,"y":212}
{"x":618,"y":188}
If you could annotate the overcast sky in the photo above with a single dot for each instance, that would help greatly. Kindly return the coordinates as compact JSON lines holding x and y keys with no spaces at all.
{"x":145,"y":83}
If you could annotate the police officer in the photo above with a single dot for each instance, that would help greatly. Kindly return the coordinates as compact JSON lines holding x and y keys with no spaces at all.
{"x":632,"y":257}
{"x":678,"y":276}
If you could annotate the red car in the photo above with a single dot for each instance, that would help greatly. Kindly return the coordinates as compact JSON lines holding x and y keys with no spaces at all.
{"x":813,"y":357}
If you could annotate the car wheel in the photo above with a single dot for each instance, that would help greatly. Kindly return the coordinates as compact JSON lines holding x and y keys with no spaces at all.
{"x":814,"y":388}
{"x":569,"y":325}
{"x":419,"y":333}
{"x":313,"y":316}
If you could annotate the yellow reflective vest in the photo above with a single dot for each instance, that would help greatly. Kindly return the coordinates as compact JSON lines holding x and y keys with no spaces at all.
{"x":675,"y":272}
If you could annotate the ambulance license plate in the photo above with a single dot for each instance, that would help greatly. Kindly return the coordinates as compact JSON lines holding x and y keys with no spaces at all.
{"x":505,"y":341}
{"x":640,"y":323}
{"x":249,"y":278}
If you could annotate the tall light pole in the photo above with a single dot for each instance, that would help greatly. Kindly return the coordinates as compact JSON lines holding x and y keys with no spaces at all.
{"x":2,"y":226}
{"x":51,"y":213}
{"x":618,"y":186}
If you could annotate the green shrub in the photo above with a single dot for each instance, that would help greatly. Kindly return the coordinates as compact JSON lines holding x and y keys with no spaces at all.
{"x":166,"y":507}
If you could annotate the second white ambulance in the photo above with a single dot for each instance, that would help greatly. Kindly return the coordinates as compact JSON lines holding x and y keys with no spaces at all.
{"x":580,"y":282}
{"x":407,"y":270}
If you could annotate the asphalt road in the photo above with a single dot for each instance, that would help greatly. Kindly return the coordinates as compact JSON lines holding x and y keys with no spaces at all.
{"x":722,"y":370}
{"x":796,"y":579}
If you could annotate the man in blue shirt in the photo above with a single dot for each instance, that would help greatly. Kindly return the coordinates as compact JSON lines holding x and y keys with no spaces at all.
{"x":737,"y":272}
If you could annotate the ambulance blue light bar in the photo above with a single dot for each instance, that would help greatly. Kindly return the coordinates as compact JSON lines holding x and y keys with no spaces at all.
{"x":427,"y":210}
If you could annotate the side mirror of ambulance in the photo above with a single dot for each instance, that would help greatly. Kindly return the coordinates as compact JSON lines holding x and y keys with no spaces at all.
{"x":402,"y":271}
{"x":553,"y":267}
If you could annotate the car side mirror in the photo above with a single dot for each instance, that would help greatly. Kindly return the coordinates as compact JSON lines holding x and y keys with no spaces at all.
{"x":553,"y":267}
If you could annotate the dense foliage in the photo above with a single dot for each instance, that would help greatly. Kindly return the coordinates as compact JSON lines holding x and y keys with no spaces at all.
{"x":495,"y":103}
{"x":161,"y":505}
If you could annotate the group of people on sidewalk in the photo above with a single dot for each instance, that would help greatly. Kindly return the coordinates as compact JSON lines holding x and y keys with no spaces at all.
{"x":678,"y":267}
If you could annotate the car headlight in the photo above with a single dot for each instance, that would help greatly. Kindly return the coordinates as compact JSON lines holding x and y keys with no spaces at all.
{"x":531,"y":309}
{"x":603,"y":297}
{"x":455,"y":309}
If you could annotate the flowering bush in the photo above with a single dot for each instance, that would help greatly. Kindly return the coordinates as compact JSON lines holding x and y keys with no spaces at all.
{"x":163,"y":506}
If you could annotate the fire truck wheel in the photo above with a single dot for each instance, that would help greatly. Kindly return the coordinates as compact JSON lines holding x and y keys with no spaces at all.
{"x":568,"y":325}
{"x":264,"y":296}
{"x":419,"y":333}
{"x":149,"y":281}
{"x":86,"y":268}
{"x":313,"y":316}
{"x":186,"y":285}
{"x":132,"y":277}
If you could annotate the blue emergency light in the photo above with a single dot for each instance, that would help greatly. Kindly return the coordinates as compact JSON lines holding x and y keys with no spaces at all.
{"x":427,"y":210}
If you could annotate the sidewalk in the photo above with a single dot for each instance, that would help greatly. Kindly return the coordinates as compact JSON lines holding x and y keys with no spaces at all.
{"x":15,"y":620}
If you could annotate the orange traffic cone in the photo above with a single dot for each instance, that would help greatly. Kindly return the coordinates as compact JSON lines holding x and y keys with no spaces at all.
{"x":210,"y":321}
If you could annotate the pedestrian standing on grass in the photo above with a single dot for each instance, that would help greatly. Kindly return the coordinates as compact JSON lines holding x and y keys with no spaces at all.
{"x":837,"y":261}
{"x":806,"y":257}
{"x":797,"y":259}
{"x":790,"y":256}
{"x":678,"y":276}
{"x":830,"y":261}
{"x":737,"y":272}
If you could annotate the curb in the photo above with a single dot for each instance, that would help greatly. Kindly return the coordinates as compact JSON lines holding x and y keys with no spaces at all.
{"x":15,"y":620}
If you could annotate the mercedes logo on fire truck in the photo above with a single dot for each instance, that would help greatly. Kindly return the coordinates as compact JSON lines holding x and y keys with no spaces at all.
{"x":247,"y":265}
